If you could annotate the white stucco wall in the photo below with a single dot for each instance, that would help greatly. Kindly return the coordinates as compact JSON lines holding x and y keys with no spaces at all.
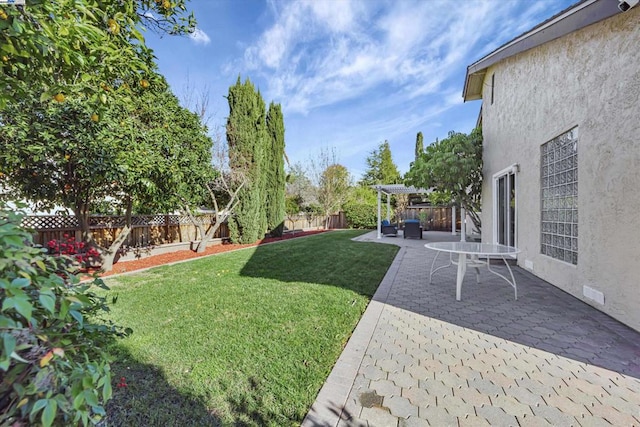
{"x":589,"y":79}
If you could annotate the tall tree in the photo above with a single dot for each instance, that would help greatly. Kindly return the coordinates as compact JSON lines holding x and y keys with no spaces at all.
{"x":332,"y":181}
{"x":246,"y":137}
{"x":274,"y":171}
{"x":453,"y":166}
{"x":419,"y":145}
{"x":380,"y":167}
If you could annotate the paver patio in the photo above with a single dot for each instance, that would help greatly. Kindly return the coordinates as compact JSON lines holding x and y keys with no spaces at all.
{"x":418,"y":357}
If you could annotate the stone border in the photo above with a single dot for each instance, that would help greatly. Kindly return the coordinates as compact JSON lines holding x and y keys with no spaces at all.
{"x":328,"y":406}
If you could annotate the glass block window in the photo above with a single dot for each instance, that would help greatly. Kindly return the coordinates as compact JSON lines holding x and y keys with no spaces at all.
{"x":559,"y":184}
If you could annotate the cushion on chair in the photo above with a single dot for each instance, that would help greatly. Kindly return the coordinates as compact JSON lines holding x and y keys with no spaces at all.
{"x":411,"y":221}
{"x":385,"y":222}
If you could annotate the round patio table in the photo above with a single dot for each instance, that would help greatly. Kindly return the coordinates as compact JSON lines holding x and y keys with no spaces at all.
{"x":471,"y":254}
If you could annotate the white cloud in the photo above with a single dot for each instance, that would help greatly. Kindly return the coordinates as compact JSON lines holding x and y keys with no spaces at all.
{"x":319,"y":53}
{"x":200,"y":37}
{"x":389,"y":66}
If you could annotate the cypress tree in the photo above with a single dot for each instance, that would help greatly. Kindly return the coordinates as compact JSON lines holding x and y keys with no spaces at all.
{"x":275,"y":183}
{"x":246,"y":137}
{"x":419,"y":145}
{"x":380,"y":167}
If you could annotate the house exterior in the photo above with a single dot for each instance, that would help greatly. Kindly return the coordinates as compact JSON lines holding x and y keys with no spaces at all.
{"x":561,"y":124}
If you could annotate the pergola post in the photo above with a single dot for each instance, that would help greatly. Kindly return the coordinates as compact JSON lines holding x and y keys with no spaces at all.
{"x":463,"y":225}
{"x":379,"y":212}
{"x":389,"y":207}
{"x":453,"y":220}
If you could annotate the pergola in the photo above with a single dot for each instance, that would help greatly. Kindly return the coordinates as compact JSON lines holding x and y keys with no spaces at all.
{"x":390,"y":189}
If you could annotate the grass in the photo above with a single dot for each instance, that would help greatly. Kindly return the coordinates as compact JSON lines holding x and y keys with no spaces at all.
{"x":241,"y":338}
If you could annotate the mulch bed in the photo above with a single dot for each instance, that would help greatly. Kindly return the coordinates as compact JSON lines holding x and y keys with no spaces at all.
{"x":161,"y":259}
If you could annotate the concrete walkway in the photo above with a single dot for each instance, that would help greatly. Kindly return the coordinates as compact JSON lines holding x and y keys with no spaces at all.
{"x":418,"y":357}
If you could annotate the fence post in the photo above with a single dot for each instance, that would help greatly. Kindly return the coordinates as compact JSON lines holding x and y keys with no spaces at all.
{"x":166,"y":228}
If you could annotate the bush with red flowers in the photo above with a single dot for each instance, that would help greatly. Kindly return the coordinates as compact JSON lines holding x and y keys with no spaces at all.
{"x":86,"y":255}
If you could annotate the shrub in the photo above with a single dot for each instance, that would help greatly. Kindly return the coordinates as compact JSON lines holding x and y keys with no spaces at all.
{"x":53,"y":365}
{"x":360,"y":215}
{"x":79,"y":251}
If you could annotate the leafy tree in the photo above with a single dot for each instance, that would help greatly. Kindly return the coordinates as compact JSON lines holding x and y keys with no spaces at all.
{"x":300,"y":188}
{"x":453,"y":166}
{"x":419,"y":145}
{"x":333,"y":189}
{"x":332,"y":182}
{"x":246,"y":137}
{"x":51,"y":154}
{"x":148,"y":152}
{"x":82,"y":48}
{"x":274,"y":170}
{"x":380,"y":167}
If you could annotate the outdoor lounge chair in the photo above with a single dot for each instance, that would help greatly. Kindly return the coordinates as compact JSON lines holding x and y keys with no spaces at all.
{"x":412,"y":228}
{"x":387,"y":229}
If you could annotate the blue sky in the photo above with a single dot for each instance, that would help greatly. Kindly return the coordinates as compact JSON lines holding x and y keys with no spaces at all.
{"x":348,"y":74}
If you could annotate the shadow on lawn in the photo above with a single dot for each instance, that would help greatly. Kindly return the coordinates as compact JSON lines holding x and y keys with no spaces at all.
{"x":149,"y":400}
{"x":328,"y":258}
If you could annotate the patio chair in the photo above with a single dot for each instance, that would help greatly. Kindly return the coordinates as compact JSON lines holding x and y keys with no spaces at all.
{"x":412,"y":228}
{"x":387,"y":229}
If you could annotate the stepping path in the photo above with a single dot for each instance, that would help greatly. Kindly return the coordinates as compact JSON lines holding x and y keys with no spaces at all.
{"x":418,"y":357}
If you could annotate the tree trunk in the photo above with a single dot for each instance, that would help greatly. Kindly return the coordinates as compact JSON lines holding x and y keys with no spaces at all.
{"x":109,"y":254}
{"x":81,"y":211}
{"x":202,"y":246}
{"x":198,"y":225}
{"x":231,"y":206}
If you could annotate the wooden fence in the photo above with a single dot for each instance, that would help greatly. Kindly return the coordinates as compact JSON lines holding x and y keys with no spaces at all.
{"x":434,"y":218}
{"x":147,"y":230}
{"x":310,"y":222}
{"x":151,"y":230}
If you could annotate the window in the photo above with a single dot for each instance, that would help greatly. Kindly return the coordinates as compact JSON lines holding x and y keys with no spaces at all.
{"x":559,"y":193}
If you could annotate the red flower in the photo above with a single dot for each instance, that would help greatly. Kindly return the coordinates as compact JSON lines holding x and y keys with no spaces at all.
{"x":122,"y":383}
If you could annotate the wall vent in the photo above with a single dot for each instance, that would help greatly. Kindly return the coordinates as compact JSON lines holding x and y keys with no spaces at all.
{"x":593,"y":294}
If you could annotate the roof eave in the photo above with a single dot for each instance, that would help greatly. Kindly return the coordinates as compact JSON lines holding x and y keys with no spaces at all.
{"x":577,"y":16}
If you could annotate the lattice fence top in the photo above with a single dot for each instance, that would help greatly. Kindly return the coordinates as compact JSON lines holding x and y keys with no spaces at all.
{"x":58,"y":222}
{"x":50,"y":222}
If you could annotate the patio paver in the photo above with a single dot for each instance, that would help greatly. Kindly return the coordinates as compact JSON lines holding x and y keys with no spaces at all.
{"x":419,"y":357}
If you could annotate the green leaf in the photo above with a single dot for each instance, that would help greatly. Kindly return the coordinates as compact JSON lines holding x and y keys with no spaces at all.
{"x":20,"y":303}
{"x":91,"y":398}
{"x":20,"y":282}
{"x":37,"y":407}
{"x":13,"y":240}
{"x":49,"y":413}
{"x":77,"y":315}
{"x":9,"y":342}
{"x":78,"y":401}
{"x":15,"y":356}
{"x":45,"y":96}
{"x":107,"y":391}
{"x":48,"y":302}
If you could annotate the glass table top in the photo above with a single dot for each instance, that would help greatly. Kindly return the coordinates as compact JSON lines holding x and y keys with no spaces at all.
{"x":473,"y":248}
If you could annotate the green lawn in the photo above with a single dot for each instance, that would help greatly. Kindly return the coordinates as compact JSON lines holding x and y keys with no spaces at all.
{"x":241,"y":338}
